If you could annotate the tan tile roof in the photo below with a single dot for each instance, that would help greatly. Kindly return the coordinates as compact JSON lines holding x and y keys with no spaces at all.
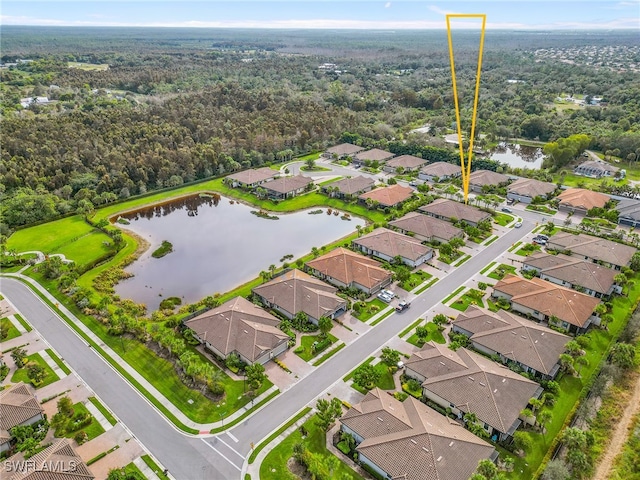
{"x":582,"y":198}
{"x":393,"y":243}
{"x":349,"y":267}
{"x":573,"y":270}
{"x":514,"y":337}
{"x":487,"y":177}
{"x":345,"y":149}
{"x":427,"y":226}
{"x":285,"y":185}
{"x":254,"y":175}
{"x":238,"y":326}
{"x":59,"y":461}
{"x":17,"y":405}
{"x":353,"y":185}
{"x":530,"y":187}
{"x":440,"y":169}
{"x":296,"y":291}
{"x":452,"y":209}
{"x":410,"y":441}
{"x":476,"y":384}
{"x":375,"y":154}
{"x":406,"y":161}
{"x":389,"y":196}
{"x":551,"y":299}
{"x":592,"y":247}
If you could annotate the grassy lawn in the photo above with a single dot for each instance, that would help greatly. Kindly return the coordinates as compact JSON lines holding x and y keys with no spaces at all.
{"x":501,"y":270}
{"x":267,"y":441}
{"x":435,"y":335}
{"x":92,"y":430}
{"x":103,"y":410}
{"x":514,"y":246}
{"x":154,"y":467}
{"x":503,"y":219}
{"x":461,"y":260}
{"x":456,"y":292}
{"x":541,"y":209}
{"x":427,"y":285}
{"x":23,"y":322}
{"x":485,"y":269}
{"x":472,"y":296}
{"x":58,"y":361}
{"x":274,"y":465}
{"x":133,"y":471}
{"x":87,"y":248}
{"x":12,"y":331}
{"x":528,"y":249}
{"x":306,"y":346}
{"x":385,"y":382}
{"x":20,"y":375}
{"x":374,"y":306}
{"x":417,"y":278}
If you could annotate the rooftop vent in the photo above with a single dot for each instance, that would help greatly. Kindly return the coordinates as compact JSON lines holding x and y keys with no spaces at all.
{"x":471,"y":378}
{"x":451,"y":444}
{"x":439,"y":458}
{"x":413,"y":441}
{"x":482,"y":384}
{"x":425,"y":449}
{"x":380,"y":420}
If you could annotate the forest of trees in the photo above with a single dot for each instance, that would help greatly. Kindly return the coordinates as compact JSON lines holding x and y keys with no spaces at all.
{"x":177,"y":105}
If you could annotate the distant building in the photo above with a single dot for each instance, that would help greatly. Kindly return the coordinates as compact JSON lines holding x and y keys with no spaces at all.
{"x":596,"y":169}
{"x":343,"y":150}
{"x":287,"y":187}
{"x":349,"y":187}
{"x":595,"y":249}
{"x":373,"y":155}
{"x":629,"y":212}
{"x":580,"y":200}
{"x":406,"y":163}
{"x":446,"y":209}
{"x":252,"y":177}
{"x":18,"y":406}
{"x":427,"y":228}
{"x":439,"y":171}
{"x":388,"y":197}
{"x":482,"y":178}
{"x":387,"y":244}
{"x":526,"y":189}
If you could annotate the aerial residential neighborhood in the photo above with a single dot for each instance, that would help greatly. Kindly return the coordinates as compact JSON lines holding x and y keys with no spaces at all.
{"x":237,"y":256}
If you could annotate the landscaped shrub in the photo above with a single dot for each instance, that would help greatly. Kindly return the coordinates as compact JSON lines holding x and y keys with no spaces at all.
{"x":81,"y":437}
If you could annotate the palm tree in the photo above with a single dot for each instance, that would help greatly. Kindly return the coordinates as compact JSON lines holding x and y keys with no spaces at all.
{"x":272,"y":269}
{"x":264,"y":275}
{"x":543,"y":418}
{"x":581,"y":361}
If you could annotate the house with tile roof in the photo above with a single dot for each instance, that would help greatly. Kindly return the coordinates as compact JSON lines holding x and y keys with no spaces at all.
{"x":486,"y":178}
{"x":596,"y":169}
{"x":387,"y":197}
{"x":349,"y":187}
{"x":446,"y":209}
{"x":628,"y":212}
{"x":296,"y":291}
{"x":548,"y":302}
{"x":467,"y":382}
{"x":426,"y":228}
{"x":439,"y":171}
{"x":373,"y":155}
{"x":526,"y":189}
{"x":581,"y":200}
{"x":343,"y":150}
{"x":594,"y":249}
{"x":287,"y":187}
{"x":18,"y":406}
{"x":410,"y":441}
{"x":387,"y":244}
{"x":406,"y":163}
{"x":346,"y":269}
{"x":572,"y":272}
{"x":242,"y":328}
{"x":252,"y":177}
{"x":530,"y":346}
{"x":58,"y":461}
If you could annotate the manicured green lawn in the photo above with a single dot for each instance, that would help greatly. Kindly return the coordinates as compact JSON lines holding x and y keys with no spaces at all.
{"x":134,"y":471}
{"x":12,"y":331}
{"x":541,"y":209}
{"x":154,"y":467}
{"x":528,"y":249}
{"x":501,"y":270}
{"x":274,"y":465}
{"x":87,"y":248}
{"x":435,"y":335}
{"x":103,"y":410}
{"x":385,"y":382}
{"x":23,"y":322}
{"x":92,"y":430}
{"x":374,"y":306}
{"x":20,"y":375}
{"x":502,"y":219}
{"x":58,"y":361}
{"x":456,"y":292}
{"x":307,"y":341}
{"x":49,"y":237}
{"x":418,"y":277}
{"x":469,"y":297}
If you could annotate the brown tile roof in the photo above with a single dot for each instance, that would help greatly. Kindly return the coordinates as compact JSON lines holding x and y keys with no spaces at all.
{"x":345,"y":149}
{"x":296,"y":291}
{"x":475,"y":384}
{"x":389,"y":196}
{"x":410,"y":441}
{"x":17,"y":405}
{"x":530,"y":187}
{"x":582,"y":198}
{"x":514,"y":337}
{"x":254,"y":175}
{"x":349,"y":267}
{"x":487,"y":177}
{"x":551,"y":299}
{"x":375,"y":154}
{"x":352,"y":185}
{"x":285,"y":185}
{"x":59,"y":461}
{"x":393,"y":243}
{"x":592,"y":247}
{"x":238,"y":326}
{"x":573,"y":270}
{"x":406,"y":161}
{"x":451,"y":209}
{"x":426,"y":226}
{"x":440,"y":169}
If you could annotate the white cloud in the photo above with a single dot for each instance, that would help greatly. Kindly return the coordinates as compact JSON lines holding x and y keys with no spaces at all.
{"x":387,"y":5}
{"x":440,"y":11}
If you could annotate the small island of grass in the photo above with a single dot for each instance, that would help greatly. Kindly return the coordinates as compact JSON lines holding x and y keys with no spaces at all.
{"x":164,"y":249}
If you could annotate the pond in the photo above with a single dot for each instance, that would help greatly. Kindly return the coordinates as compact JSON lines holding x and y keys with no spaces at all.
{"x":518,"y":156}
{"x":218,"y":244}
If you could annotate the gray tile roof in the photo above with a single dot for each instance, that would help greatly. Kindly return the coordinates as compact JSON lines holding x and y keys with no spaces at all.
{"x":393,"y":243}
{"x":375,"y":154}
{"x":592,"y":247}
{"x":450,"y":209}
{"x":516,"y":338}
{"x":239,"y":326}
{"x":441,"y":169}
{"x":629,"y":208}
{"x":409,"y":440}
{"x":345,"y":149}
{"x":18,"y":404}
{"x":284,"y":185}
{"x":406,"y":161}
{"x":254,"y":175}
{"x":530,"y":187}
{"x":352,"y":185}
{"x":427,"y":226}
{"x":487,"y":177}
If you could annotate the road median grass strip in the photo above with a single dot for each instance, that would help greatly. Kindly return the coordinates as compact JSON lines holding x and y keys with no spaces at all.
{"x":424,"y":287}
{"x":456,"y":292}
{"x":490,"y":241}
{"x":328,"y":355}
{"x":382,"y":317}
{"x":514,"y":246}
{"x":103,"y":410}
{"x":58,"y":361}
{"x":270,"y":438}
{"x":347,"y":377}
{"x":486,"y":269}
{"x":23,"y":322}
{"x":154,"y":467}
{"x":462,"y":260}
{"x":411,"y":327}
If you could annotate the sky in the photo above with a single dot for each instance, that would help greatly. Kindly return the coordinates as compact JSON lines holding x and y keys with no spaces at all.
{"x":354,"y":14}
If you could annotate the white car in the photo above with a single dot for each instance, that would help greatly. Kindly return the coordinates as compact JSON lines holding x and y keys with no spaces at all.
{"x":385,"y":298}
{"x":518,"y":224}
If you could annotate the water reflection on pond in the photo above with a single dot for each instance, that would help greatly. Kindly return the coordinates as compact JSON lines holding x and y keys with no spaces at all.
{"x":217,"y":245}
{"x":518,"y":156}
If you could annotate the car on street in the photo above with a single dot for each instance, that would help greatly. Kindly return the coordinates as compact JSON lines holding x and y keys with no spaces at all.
{"x":413,"y":183}
{"x":518,"y":224}
{"x":402,"y":306}
{"x":542,"y":237}
{"x":506,"y":209}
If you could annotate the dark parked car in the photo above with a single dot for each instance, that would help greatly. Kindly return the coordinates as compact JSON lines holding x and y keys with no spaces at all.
{"x":402,"y":306}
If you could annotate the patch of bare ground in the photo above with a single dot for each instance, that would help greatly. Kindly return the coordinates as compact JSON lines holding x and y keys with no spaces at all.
{"x":300,"y":471}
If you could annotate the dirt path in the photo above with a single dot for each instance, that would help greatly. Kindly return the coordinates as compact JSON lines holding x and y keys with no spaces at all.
{"x":619,"y":436}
